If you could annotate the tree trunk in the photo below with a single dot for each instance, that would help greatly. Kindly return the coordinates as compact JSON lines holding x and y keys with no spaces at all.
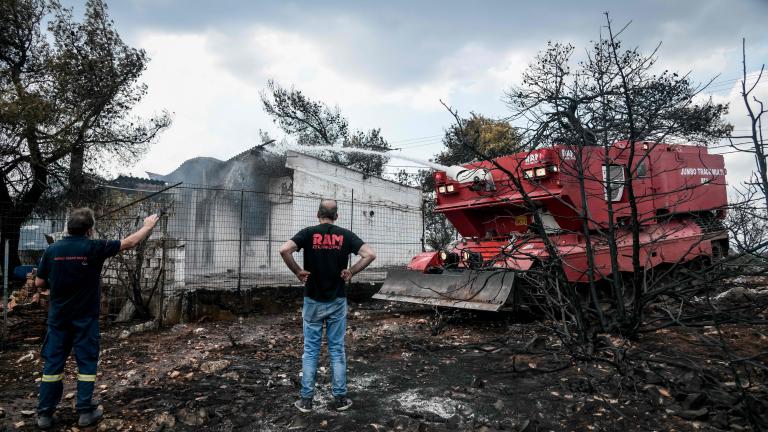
{"x":141,"y":310}
{"x":9,"y":230}
{"x":13,"y":213}
{"x":76,"y":178}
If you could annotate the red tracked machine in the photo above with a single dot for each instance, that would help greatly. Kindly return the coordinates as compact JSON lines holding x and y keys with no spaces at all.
{"x":680,"y":192}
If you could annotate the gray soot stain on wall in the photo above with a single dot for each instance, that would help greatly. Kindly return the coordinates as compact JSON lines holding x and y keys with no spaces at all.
{"x":205,"y":217}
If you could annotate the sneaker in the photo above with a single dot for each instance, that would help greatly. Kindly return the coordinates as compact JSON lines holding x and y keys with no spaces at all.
{"x":304,"y":405}
{"x":44,"y":421}
{"x":90,"y":418}
{"x":342,"y":403}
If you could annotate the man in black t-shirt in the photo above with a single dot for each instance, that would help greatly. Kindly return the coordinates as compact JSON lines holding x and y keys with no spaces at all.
{"x":71,"y":269}
{"x":325,"y":274}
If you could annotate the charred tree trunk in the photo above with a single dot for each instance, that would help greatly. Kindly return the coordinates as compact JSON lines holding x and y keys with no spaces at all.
{"x":585,"y":219}
{"x":14,"y":211}
{"x":141,"y":310}
{"x":755,"y":120}
{"x":10,"y":231}
{"x":634,"y":223}
{"x":76,"y":177}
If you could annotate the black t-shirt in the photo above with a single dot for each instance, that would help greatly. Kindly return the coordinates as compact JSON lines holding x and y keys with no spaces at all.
{"x":326,"y":254}
{"x":72,"y":267}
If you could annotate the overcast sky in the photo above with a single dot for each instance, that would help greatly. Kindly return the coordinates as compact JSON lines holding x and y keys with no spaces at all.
{"x":386,"y":64}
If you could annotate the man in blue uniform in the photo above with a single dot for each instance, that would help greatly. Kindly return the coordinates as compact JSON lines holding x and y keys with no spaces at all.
{"x":326,"y":254}
{"x":71,"y":268}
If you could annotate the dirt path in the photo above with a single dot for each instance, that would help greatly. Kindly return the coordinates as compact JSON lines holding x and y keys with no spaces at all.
{"x":482,"y":373}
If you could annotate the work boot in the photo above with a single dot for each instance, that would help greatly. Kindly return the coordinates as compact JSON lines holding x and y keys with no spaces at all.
{"x":44,"y":421}
{"x":341,"y":403}
{"x":90,"y":418}
{"x":304,"y":405}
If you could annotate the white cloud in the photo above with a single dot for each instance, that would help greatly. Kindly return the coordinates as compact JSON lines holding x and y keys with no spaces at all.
{"x":204,"y":98}
{"x":739,"y":165}
{"x":211,"y":82}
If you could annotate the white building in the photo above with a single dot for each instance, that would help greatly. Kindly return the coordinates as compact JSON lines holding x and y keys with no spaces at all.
{"x":381,"y":212}
{"x":234,"y":222}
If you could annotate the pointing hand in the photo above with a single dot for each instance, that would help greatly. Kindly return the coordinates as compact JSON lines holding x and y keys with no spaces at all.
{"x":151,"y":220}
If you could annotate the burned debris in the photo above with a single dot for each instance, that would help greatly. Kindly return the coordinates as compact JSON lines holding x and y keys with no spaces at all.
{"x":26,"y":314}
{"x":594,"y":275}
{"x":483,"y":372}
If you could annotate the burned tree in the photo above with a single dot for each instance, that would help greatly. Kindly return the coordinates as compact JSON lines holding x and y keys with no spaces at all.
{"x":578,"y":213}
{"x":748,"y":220}
{"x":139,"y":274}
{"x":613,"y":95}
{"x":635,"y":244}
{"x":490,"y":137}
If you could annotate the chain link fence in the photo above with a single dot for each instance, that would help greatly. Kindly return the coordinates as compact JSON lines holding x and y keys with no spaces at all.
{"x":209,"y":239}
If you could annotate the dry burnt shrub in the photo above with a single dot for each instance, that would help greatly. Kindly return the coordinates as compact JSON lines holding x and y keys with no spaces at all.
{"x":688,"y":336}
{"x":135,"y":275}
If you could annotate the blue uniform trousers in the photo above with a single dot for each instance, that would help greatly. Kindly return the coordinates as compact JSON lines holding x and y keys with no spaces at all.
{"x":83,"y":336}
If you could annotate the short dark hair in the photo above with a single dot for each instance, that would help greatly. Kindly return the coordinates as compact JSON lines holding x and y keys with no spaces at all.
{"x":328,"y":209}
{"x":80,"y":221}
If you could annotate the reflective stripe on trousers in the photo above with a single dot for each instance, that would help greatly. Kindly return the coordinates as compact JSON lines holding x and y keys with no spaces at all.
{"x":52,"y":378}
{"x":86,"y":378}
{"x":82,"y":335}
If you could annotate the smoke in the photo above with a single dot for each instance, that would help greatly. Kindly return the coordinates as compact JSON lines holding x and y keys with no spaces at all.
{"x":422,"y":162}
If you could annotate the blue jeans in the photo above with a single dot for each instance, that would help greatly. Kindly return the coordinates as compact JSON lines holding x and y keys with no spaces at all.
{"x":83,"y":336}
{"x":334,"y":315}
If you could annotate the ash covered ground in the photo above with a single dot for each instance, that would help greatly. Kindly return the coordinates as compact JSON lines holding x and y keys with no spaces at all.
{"x":410,"y":369}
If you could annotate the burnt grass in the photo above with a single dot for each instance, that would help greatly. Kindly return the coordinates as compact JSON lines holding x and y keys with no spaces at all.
{"x":407,"y":371}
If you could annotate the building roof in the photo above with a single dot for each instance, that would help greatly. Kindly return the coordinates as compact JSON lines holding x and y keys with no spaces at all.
{"x":258,"y":148}
{"x":353,"y":170}
{"x":131,"y":181}
{"x":201,"y":166}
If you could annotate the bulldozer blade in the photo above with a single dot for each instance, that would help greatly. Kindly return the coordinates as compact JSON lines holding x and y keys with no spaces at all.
{"x":472,"y":289}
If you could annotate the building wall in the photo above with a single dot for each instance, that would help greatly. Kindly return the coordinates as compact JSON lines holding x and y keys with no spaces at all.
{"x":384,"y":214}
{"x":312,"y":176}
{"x":208,"y":220}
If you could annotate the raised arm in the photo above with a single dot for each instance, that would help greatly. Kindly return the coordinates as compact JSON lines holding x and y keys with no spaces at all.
{"x":286,"y":251}
{"x":134,"y":239}
{"x":367,"y":255}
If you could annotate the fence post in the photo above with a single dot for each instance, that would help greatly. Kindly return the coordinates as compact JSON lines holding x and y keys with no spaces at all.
{"x":5,"y":292}
{"x":351,"y":220}
{"x":423,"y":225}
{"x":163,"y":268}
{"x":240,"y":243}
{"x":269,"y":233}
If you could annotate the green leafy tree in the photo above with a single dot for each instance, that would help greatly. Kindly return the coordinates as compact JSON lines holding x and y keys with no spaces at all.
{"x":490,"y":137}
{"x":66,"y":92}
{"x":438,"y":232}
{"x":371,"y":140}
{"x":314,"y":123}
